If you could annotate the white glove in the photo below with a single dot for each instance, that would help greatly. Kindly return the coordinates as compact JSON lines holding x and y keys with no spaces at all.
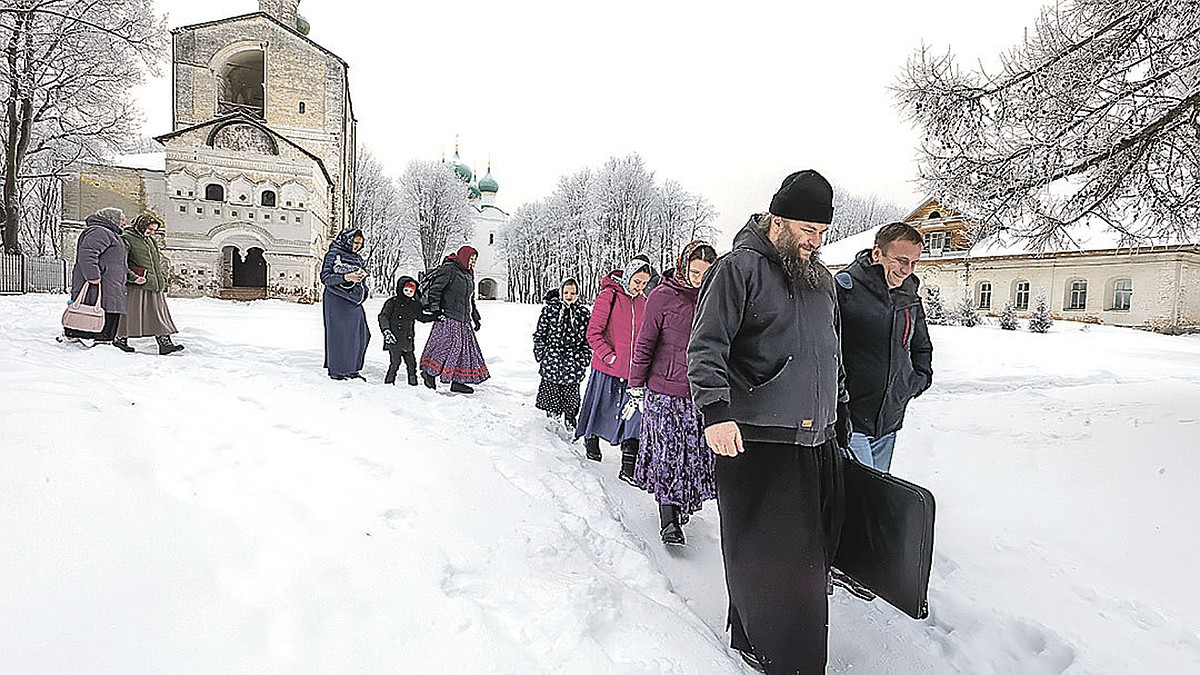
{"x":634,"y":403}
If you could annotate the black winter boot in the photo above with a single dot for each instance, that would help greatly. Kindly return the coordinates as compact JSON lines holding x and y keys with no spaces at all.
{"x":629,"y":452}
{"x":430,"y":381}
{"x":123,"y":345}
{"x":671,"y":529}
{"x":460,"y":388}
{"x":592,"y":445}
{"x":412,"y":380}
{"x":165,"y":346}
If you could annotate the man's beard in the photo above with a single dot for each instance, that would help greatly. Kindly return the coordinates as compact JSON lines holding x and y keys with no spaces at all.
{"x":805,"y":275}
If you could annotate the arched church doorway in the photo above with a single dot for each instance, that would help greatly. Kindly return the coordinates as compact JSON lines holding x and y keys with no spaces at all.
{"x":249,"y":271}
{"x":487,"y":289}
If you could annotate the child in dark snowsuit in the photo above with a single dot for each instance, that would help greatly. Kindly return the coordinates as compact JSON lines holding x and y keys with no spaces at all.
{"x":398,"y":320}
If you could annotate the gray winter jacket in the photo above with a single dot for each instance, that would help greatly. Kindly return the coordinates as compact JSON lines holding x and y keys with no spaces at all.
{"x":762,"y":353}
{"x":101,"y":253}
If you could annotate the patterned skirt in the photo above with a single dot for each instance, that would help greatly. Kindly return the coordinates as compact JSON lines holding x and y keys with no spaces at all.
{"x":146,"y":314}
{"x":674,"y":462}
{"x":600,"y":414}
{"x":558,"y":399}
{"x":452,"y":354}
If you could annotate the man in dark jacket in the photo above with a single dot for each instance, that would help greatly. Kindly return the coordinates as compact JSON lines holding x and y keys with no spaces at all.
{"x":764,"y":362}
{"x":884,"y":340}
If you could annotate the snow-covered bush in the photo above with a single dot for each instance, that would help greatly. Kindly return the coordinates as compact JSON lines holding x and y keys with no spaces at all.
{"x":1040,"y":322}
{"x":935,"y":311}
{"x":1008,"y":318}
{"x":966,"y":314}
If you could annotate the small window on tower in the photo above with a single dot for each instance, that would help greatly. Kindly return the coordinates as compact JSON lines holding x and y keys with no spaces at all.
{"x":491,"y":238}
{"x":301,"y":107}
{"x":267,"y":198}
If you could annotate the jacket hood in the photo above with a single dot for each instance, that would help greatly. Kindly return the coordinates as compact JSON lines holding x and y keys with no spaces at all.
{"x":613,"y":280}
{"x":870,"y":273}
{"x":101,"y":221}
{"x":752,"y":237}
{"x":551,"y":296}
{"x":400,"y":283}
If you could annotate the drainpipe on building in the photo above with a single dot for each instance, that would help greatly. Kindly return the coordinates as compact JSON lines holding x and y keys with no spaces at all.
{"x":1175,"y":318}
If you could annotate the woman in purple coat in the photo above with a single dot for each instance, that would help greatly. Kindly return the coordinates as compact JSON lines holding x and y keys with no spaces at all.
{"x":674,"y":462}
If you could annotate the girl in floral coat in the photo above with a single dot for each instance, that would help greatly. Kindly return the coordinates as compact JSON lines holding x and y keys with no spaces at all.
{"x":562,"y":352}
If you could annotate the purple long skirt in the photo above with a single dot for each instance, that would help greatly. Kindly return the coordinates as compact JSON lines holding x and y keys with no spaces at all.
{"x":674,"y":462}
{"x":452,"y":354}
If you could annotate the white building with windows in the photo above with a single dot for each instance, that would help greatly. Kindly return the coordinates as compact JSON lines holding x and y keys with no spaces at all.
{"x":491,"y":272}
{"x":1095,"y":280}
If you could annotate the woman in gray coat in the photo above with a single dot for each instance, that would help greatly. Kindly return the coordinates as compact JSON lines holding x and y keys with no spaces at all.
{"x":101,"y":261}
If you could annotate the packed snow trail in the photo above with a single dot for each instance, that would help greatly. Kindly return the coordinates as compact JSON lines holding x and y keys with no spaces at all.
{"x":230,"y":508}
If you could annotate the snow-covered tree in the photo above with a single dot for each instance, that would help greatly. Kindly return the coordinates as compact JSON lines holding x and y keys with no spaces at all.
{"x":856,"y":213}
{"x":965,"y":314}
{"x":66,"y":73}
{"x":377,"y":211}
{"x":1093,"y":115}
{"x":1041,"y":320}
{"x":1008,"y":318}
{"x":593,"y":222}
{"x":935,"y":310}
{"x":434,"y":208}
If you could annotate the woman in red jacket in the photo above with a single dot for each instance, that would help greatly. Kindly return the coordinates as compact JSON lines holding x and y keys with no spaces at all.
{"x":611,"y":332}
{"x":675,"y":463}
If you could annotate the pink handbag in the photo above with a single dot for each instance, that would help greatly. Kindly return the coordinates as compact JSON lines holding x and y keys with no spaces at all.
{"x":81,"y":317}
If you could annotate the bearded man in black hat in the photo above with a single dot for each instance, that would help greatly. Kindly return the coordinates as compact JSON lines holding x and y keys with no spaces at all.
{"x":765,"y":367}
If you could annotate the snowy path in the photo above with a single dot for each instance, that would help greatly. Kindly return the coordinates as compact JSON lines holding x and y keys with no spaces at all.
{"x":231,"y":509}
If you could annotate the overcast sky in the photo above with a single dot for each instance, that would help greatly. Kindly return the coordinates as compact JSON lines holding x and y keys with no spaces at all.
{"x":727,"y":98}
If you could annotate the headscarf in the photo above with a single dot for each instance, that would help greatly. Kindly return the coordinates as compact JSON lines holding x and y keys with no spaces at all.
{"x":568,"y":312}
{"x":463,"y":257}
{"x":632,"y":267}
{"x":681,"y":263}
{"x":347,"y":258}
{"x":112,"y":214}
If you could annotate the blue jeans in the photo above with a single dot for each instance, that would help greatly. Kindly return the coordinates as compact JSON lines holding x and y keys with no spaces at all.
{"x":876,"y":452}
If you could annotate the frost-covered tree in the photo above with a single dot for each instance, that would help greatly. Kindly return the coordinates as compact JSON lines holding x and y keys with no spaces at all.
{"x":1008,"y":318}
{"x":935,"y":309}
{"x":593,"y":222}
{"x":1041,"y":320}
{"x":377,"y":210}
{"x":966,"y":314}
{"x":434,"y":209}
{"x":856,"y":213}
{"x":1095,"y":114}
{"x":65,"y":75}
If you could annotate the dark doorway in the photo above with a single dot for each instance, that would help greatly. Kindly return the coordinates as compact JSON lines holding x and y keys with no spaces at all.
{"x":487,"y":289}
{"x":250,"y":271}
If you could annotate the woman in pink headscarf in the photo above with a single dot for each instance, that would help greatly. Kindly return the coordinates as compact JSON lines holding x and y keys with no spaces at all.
{"x":452,"y":353}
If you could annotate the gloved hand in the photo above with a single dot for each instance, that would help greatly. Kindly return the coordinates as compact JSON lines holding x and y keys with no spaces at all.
{"x":438,"y":315}
{"x":634,"y":403}
{"x":841,"y":426}
{"x":477,"y":324}
{"x":389,"y":338}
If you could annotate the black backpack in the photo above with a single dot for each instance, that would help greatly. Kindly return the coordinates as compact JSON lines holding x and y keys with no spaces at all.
{"x":425,"y":284}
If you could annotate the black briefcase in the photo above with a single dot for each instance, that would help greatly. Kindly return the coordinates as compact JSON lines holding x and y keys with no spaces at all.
{"x":887,"y":537}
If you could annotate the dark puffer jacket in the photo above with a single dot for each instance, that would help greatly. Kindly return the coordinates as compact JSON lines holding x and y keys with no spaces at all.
{"x":560,"y":340}
{"x":762,"y":353}
{"x":101,"y":254}
{"x":452,"y":291}
{"x":400,"y":315}
{"x":885,"y":343}
{"x":660,"y":355}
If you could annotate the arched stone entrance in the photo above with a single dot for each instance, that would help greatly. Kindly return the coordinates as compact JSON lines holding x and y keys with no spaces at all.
{"x":488,"y":289}
{"x":244,"y":277}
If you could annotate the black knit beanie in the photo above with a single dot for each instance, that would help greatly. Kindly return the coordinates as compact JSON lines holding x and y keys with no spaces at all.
{"x":804,"y":195}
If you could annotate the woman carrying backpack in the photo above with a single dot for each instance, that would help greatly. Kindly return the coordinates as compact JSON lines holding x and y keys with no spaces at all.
{"x":452,"y":352}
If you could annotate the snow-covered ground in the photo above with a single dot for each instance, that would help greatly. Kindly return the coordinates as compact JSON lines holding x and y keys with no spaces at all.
{"x":230,"y":509}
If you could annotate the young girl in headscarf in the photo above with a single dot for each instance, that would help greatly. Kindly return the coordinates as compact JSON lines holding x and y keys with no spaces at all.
{"x":611,"y":332}
{"x":562,"y":352}
{"x":674,"y":463}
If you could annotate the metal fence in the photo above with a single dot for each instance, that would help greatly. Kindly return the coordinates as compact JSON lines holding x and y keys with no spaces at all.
{"x":26,"y":274}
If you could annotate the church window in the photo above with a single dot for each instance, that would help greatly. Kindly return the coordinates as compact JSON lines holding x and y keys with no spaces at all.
{"x":301,"y":204}
{"x":934,"y":215}
{"x":1077,"y":294}
{"x":251,"y":214}
{"x":985,"y":295}
{"x":266,"y":216}
{"x":1122,"y":294}
{"x":267,"y":198}
{"x":182,"y":208}
{"x":297,"y":219}
{"x":289,"y":203}
{"x":191,"y":194}
{"x":200,"y":210}
{"x":1021,"y":295}
{"x":242,"y":198}
{"x":491,"y":238}
{"x":242,"y":79}
{"x":179,"y":193}
{"x":216,"y":212}
{"x":301,"y":107}
{"x":233,"y":214}
{"x":214,"y":192}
